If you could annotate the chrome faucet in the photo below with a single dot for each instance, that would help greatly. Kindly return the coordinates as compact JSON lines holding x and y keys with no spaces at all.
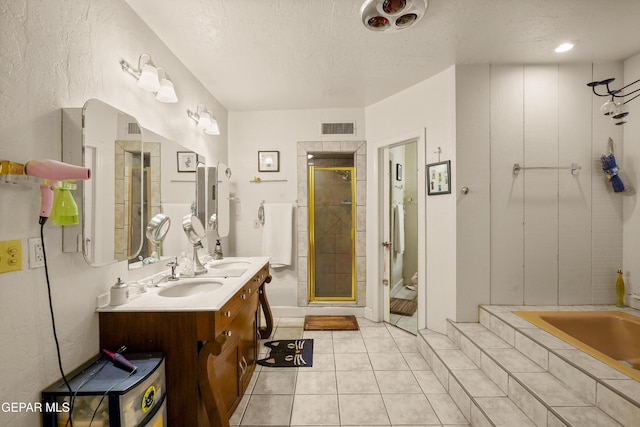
{"x":173,"y":265}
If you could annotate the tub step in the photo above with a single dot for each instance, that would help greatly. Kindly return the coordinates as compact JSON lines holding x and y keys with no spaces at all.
{"x":479,"y":399}
{"x":495,"y":384}
{"x":548,"y":387}
{"x":610,"y":393}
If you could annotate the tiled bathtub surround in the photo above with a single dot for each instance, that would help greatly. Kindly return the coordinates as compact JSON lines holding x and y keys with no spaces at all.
{"x":371,"y":377}
{"x":563,"y":387}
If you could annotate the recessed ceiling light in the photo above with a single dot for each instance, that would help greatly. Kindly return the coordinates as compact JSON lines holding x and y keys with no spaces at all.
{"x":564,"y":47}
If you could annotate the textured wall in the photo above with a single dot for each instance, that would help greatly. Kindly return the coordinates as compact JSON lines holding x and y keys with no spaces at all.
{"x":56,"y":54}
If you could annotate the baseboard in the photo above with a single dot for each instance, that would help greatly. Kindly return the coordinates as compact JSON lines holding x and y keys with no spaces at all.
{"x":288,"y":311}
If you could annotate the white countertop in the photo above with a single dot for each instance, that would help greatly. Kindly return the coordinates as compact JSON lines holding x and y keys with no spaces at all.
{"x":151,"y":300}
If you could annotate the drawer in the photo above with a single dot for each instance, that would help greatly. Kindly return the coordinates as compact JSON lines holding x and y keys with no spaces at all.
{"x":224,"y":316}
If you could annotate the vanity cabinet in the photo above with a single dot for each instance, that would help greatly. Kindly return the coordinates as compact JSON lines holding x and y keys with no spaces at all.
{"x":210,"y":355}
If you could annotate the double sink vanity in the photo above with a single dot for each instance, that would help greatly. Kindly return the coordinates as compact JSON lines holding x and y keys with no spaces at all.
{"x":207,"y":327}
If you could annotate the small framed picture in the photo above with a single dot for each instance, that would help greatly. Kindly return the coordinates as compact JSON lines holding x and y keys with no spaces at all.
{"x":268,"y":161}
{"x":398,"y":172}
{"x":439,"y":178}
{"x":187,"y":161}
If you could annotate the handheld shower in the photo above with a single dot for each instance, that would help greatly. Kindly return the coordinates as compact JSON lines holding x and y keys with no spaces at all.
{"x":53,"y":171}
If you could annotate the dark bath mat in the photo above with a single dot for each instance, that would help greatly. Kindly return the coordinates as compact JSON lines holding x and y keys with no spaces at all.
{"x":289,"y":354}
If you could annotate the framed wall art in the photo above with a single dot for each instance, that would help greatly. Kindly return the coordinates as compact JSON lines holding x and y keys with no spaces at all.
{"x":187,"y":161}
{"x":439,"y":178}
{"x":268,"y":161}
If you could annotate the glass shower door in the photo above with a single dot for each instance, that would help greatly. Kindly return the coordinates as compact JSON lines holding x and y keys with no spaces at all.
{"x":331,"y":234}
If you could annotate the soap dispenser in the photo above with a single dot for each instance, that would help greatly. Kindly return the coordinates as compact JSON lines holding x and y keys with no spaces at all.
{"x":119,"y":293}
{"x":217,"y":252}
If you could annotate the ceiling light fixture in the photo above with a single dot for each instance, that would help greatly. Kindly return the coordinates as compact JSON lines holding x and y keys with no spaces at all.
{"x":392,"y":15}
{"x":151,"y":78}
{"x":205,"y":120}
{"x":564,"y":47}
{"x":612,"y":108}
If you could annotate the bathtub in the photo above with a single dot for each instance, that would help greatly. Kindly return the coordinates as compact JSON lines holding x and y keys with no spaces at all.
{"x":612,"y":337}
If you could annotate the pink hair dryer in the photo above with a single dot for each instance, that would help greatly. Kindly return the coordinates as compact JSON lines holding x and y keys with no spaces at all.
{"x":52,"y":170}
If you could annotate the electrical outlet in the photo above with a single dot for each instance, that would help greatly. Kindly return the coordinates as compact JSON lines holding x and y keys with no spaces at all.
{"x":10,"y":256}
{"x":36,"y":253}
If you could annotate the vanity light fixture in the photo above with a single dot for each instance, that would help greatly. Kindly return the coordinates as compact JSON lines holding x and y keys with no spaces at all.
{"x":392,"y":15}
{"x":151,"y":78}
{"x":615,"y":108}
{"x":205,"y":120}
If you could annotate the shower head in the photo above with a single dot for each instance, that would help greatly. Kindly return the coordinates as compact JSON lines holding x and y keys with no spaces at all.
{"x":346,"y":175}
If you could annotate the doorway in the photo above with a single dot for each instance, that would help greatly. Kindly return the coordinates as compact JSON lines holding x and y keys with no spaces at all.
{"x":332,"y":225}
{"x":400,"y":228}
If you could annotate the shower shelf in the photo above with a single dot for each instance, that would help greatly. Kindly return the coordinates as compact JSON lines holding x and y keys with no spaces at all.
{"x":32,"y":181}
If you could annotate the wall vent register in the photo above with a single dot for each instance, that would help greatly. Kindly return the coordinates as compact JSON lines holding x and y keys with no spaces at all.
{"x":338,"y":128}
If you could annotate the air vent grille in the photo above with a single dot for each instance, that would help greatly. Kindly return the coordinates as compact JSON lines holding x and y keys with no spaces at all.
{"x":344,"y":128}
{"x":133,"y":128}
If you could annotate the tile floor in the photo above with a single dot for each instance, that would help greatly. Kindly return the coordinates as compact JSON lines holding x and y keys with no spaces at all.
{"x":371,"y":377}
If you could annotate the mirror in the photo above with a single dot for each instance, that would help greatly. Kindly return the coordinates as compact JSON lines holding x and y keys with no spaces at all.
{"x":195,"y":232}
{"x":157,"y":230}
{"x":136,"y":174}
{"x":173,"y":191}
{"x":113,"y":213}
{"x":222,"y":211}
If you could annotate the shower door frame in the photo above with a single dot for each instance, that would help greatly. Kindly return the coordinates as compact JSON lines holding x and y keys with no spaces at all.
{"x":311,"y":240}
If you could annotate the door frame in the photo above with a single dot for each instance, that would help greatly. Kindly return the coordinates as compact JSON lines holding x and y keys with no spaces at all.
{"x":376,"y":171}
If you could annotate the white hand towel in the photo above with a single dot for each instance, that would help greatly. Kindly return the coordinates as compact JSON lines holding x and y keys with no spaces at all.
{"x":398,"y":229}
{"x":277,"y":233}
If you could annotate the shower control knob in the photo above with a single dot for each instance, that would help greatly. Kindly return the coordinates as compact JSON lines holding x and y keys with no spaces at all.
{"x":464,"y":190}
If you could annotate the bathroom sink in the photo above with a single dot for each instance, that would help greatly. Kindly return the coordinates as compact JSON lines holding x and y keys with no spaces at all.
{"x":228,"y":264}
{"x":190,"y":288}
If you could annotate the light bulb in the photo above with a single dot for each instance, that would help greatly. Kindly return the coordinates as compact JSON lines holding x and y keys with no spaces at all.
{"x":205,"y":120}
{"x":149,"y":78}
{"x":213,"y":128}
{"x":166,"y":93}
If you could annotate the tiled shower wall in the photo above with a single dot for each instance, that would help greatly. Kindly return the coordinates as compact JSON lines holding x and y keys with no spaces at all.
{"x":359,"y":150}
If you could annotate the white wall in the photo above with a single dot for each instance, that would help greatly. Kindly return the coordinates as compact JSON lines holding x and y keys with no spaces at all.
{"x":429,"y":104}
{"x":631,"y":172}
{"x":254,"y":131}
{"x":58,"y":54}
{"x":552,"y":238}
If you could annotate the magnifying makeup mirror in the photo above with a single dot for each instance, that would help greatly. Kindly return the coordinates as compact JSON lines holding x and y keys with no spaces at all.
{"x":156,"y":231}
{"x":195,"y":232}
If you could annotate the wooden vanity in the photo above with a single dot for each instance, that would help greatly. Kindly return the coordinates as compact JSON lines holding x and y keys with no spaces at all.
{"x":210,"y":354}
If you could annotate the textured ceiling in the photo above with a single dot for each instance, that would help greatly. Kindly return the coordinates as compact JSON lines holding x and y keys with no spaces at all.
{"x":295,"y":54}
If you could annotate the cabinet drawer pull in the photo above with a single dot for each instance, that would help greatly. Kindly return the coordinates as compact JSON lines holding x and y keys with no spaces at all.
{"x":227,"y":313}
{"x":257,"y":280}
{"x":226,"y":333}
{"x":243,"y":296}
{"x":249,"y":290}
{"x":242,"y":368}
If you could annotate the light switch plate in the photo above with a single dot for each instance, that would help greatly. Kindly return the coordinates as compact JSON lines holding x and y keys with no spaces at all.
{"x":10,"y":256}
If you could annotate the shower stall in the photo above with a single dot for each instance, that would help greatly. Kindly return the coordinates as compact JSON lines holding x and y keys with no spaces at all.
{"x":332,"y":224}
